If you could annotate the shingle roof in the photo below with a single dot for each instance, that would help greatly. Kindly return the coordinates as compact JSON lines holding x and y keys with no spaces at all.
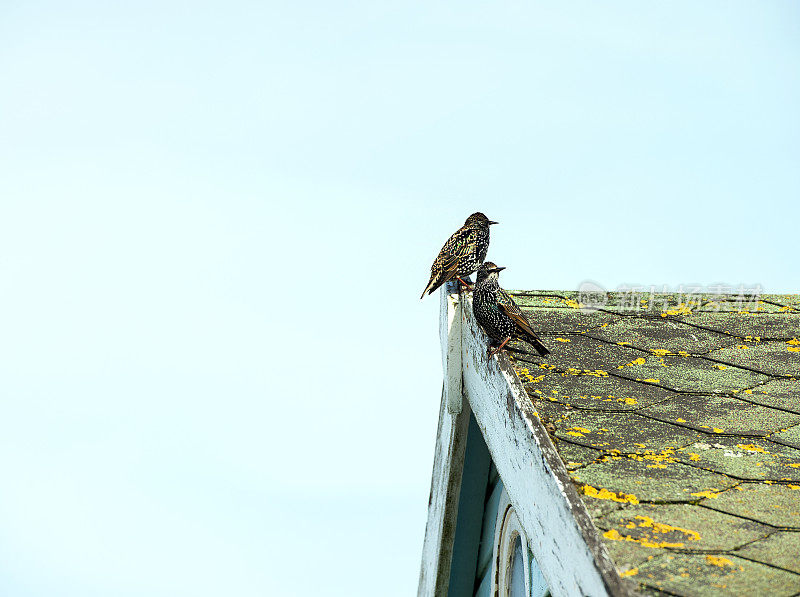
{"x":679,"y":422}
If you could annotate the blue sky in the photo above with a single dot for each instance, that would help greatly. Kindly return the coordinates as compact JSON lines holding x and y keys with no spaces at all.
{"x":217,"y":377}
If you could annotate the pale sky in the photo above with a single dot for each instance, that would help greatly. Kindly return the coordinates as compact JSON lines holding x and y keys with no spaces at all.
{"x":216,"y":374}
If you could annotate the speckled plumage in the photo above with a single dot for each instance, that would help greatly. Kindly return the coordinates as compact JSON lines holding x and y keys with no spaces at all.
{"x":498,"y":314}
{"x":463,"y":252}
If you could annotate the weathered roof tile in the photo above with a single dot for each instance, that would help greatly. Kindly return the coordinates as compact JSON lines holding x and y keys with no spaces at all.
{"x":568,"y":321}
{"x":774,"y":504}
{"x":743,"y":458}
{"x":691,"y":374}
{"x":714,"y":575}
{"x":780,"y":549}
{"x":789,"y":436}
{"x":654,"y":478}
{"x":626,"y":433}
{"x":765,"y":326}
{"x":590,"y":389}
{"x":663,"y":337}
{"x":722,"y":415}
{"x":679,"y":422}
{"x":777,"y":393}
{"x":776,"y":357}
{"x":680,"y":527}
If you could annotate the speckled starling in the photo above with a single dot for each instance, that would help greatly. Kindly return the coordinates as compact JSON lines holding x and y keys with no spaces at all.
{"x":462,"y":253}
{"x":498,"y":314}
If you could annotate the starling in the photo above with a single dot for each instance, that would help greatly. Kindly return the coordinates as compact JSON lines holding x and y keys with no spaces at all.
{"x":498,"y":314}
{"x":462,"y":253}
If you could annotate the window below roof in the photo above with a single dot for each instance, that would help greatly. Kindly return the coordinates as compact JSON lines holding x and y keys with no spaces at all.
{"x":511,"y":564}
{"x":515,"y":571}
{"x":516,"y":586}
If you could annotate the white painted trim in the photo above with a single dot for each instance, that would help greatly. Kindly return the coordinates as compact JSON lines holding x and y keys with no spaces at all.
{"x":450,"y":340}
{"x":440,"y":530}
{"x":561,"y":535}
{"x":507,"y":527}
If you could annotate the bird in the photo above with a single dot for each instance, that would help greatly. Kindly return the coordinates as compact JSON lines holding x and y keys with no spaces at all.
{"x":461,"y":255}
{"x":498,"y":314}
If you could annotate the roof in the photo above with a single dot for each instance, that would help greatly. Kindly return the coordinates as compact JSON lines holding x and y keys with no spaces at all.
{"x":678,"y":422}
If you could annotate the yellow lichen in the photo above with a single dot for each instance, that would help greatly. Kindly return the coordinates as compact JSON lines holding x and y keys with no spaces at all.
{"x":706,"y":494}
{"x":681,"y":309}
{"x":679,"y":420}
{"x":614,"y":535}
{"x":525,"y":376}
{"x":656,"y":527}
{"x":631,"y":572}
{"x":660,"y":527}
{"x":666,"y":455}
{"x":752,"y":448}
{"x":605,"y":494}
{"x":563,"y":340}
{"x":639,"y":361}
{"x":718,"y":561}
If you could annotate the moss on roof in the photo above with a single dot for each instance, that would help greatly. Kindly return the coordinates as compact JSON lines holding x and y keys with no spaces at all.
{"x":679,"y":421}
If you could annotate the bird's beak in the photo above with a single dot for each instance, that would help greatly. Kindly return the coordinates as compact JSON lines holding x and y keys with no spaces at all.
{"x":490,"y":222}
{"x":499,"y":269}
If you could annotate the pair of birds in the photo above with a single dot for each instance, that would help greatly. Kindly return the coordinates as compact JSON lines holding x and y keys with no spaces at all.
{"x":496,"y":312}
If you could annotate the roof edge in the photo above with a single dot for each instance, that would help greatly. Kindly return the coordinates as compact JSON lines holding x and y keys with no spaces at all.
{"x":563,"y":538}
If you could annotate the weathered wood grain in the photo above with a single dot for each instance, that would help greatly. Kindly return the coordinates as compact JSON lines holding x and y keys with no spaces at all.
{"x":450,"y":319}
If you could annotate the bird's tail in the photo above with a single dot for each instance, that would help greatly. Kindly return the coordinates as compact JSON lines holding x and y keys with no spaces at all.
{"x":433,"y":284}
{"x":537,"y":344}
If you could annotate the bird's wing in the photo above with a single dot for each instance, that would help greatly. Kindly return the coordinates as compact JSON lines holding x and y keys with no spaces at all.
{"x":461,"y":243}
{"x":445,"y":268}
{"x":511,"y":309}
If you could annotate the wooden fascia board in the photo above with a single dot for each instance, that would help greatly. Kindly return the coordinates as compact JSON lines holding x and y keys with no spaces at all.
{"x":562,"y":536}
{"x":440,"y":530}
{"x":448,"y":460}
{"x":450,"y":321}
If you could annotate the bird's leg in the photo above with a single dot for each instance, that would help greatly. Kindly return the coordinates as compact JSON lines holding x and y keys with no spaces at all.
{"x":493,"y":351}
{"x":467,"y":284}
